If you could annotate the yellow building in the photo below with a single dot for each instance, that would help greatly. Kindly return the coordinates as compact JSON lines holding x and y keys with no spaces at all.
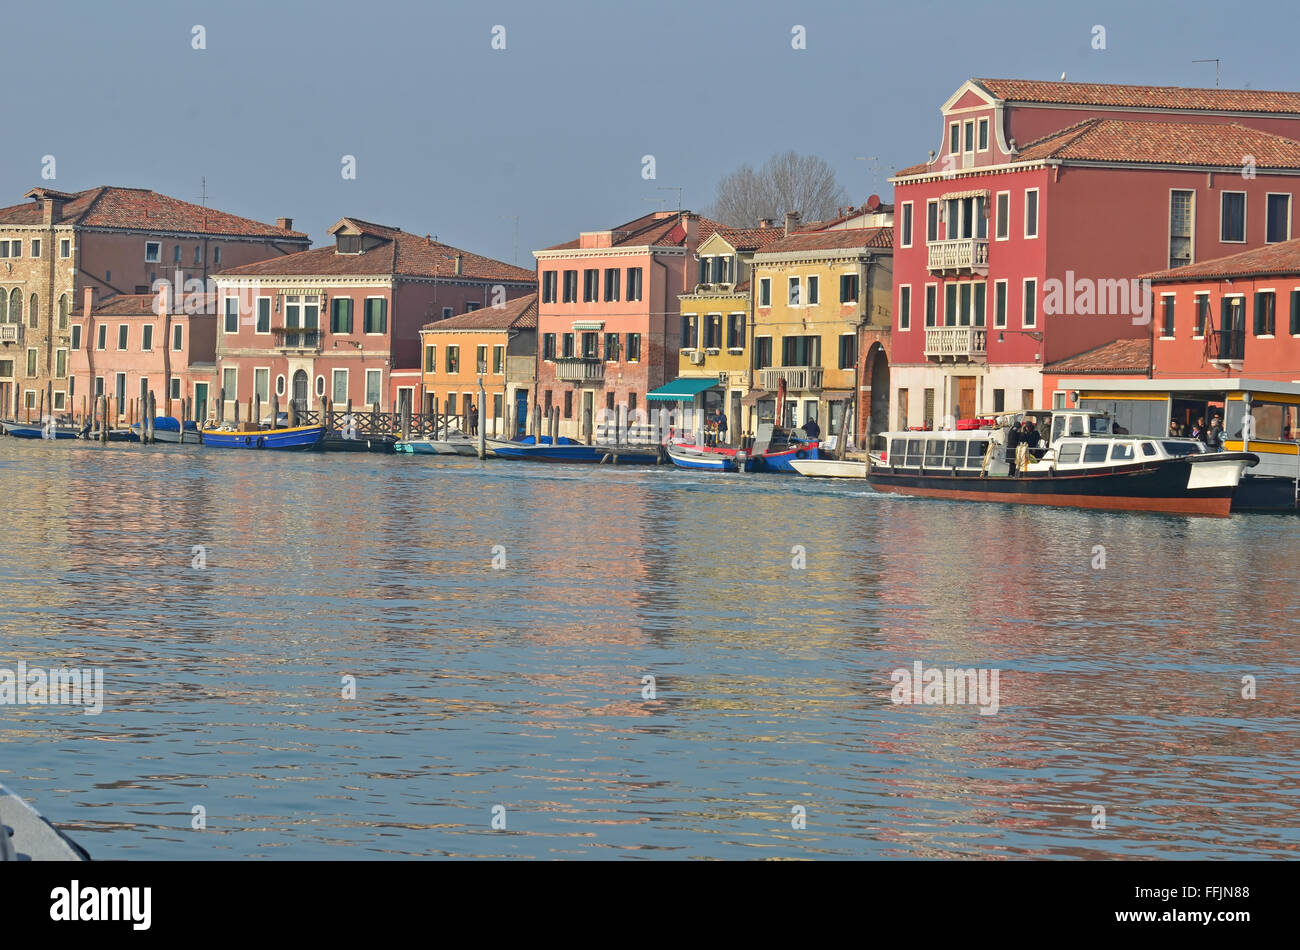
{"x":822,"y":298}
{"x":716,"y":329}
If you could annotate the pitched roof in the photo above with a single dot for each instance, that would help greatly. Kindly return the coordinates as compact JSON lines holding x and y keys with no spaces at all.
{"x":1270,"y":260}
{"x":139,"y":209}
{"x":832,"y":240}
{"x":649,"y":230}
{"x":1142,"y":97}
{"x":517,"y":314}
{"x":142,"y":305}
{"x":396,"y":254}
{"x":1164,"y":143}
{"x":1123,"y":357}
{"x":750,"y":239}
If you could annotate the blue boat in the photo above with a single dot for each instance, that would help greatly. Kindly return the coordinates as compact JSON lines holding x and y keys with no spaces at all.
{"x":298,"y":437}
{"x":705,"y":458}
{"x":34,"y":430}
{"x":563,"y":449}
{"x":779,"y":460}
{"x":169,"y":429}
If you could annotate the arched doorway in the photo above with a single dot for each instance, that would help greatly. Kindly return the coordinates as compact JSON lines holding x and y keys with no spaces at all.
{"x":300,"y":391}
{"x":878,"y":380}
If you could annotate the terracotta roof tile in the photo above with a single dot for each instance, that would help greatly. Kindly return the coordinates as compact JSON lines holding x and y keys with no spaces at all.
{"x":1123,"y":357}
{"x":1165,"y":143}
{"x":1270,"y":260}
{"x":831,"y":240}
{"x":138,"y":305}
{"x":517,"y":314}
{"x":649,"y":230}
{"x":1142,"y":97}
{"x":749,"y":239}
{"x":141,"y":209}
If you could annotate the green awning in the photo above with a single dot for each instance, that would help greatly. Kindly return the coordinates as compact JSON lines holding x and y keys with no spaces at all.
{"x":683,"y":389}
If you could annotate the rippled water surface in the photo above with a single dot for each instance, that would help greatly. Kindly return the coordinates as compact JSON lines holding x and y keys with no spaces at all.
{"x":522,"y":687}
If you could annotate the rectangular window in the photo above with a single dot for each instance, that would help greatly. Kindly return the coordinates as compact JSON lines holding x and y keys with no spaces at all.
{"x":76,"y":336}
{"x":1265,"y":313}
{"x":999,"y":400}
{"x":568,"y":404}
{"x":801,"y":350}
{"x":634,"y":347}
{"x":570,"y":286}
{"x":589,"y":346}
{"x":152,"y":252}
{"x":146,"y":339}
{"x":905,"y":307}
{"x":611,"y":347}
{"x":373,"y":379}
{"x":448,"y":312}
{"x":65,"y":248}
{"x":1167,"y":323}
{"x":339,"y":387}
{"x":984,"y":135}
{"x":216,"y":255}
{"x":793,"y":295}
{"x":634,"y":283}
{"x":981,"y":292}
{"x":548,"y":286}
{"x":612,"y":275}
{"x":232,"y":315}
{"x":101,"y":341}
{"x":262,"y":385}
{"x":31,"y":361}
{"x":1003,"y":225}
{"x":99,"y":387}
{"x":498,"y":360}
{"x":566,"y":344}
{"x":713,"y":337}
{"x":848,"y":288}
{"x":229,"y":383}
{"x":848,"y":350}
{"x":176,"y":254}
{"x":1295,"y":312}
{"x":176,"y":387}
{"x":121,"y":336}
{"x":1277,"y":227}
{"x":376,"y":316}
{"x":119,"y":391}
{"x":1180,"y":228}
{"x":548,"y":346}
{"x":453,"y":359}
{"x":931,"y":304}
{"x":36,"y":248}
{"x":814,"y":291}
{"x":60,"y":364}
{"x":1031,"y":303}
{"x":736,"y":331}
{"x":178,"y":337}
{"x":932,"y":220}
{"x":341,"y":315}
{"x":762,"y":352}
{"x":1031,"y":212}
{"x":1232,"y":217}
{"x":1000,"y":303}
{"x":481,"y":359}
{"x":906,"y":231}
{"x":431,"y":358}
{"x":765,"y":292}
{"x":1202,"y":314}
{"x":970,"y":135}
{"x":590,"y":285}
{"x":954,"y":138}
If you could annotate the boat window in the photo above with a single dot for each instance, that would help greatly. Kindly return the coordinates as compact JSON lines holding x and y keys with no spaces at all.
{"x":897,"y":451}
{"x":955,"y":454}
{"x":1068,"y":453}
{"x":1058,"y":427}
{"x":933,"y":453}
{"x":1076,"y":425}
{"x":975,"y":452}
{"x":913,"y":452}
{"x":1095,"y":452}
{"x":1148,"y":448}
{"x":1121,"y":451}
{"x":1182,"y":448}
{"x":1100,"y":425}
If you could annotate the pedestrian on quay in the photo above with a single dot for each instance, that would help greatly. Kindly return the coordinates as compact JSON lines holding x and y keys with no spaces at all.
{"x":472,"y":418}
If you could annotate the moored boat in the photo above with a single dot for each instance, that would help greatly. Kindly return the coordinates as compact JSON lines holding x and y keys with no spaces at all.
{"x":170,"y":429}
{"x":708,"y":458}
{"x":569,"y":450}
{"x":830,"y":468}
{"x":338,"y":442}
{"x":296,"y":437}
{"x":35,"y":430}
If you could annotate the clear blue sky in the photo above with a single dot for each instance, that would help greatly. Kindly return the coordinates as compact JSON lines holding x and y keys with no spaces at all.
{"x":452,"y":137}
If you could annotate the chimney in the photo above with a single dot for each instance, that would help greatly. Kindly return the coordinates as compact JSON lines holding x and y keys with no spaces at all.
{"x":428,"y":239}
{"x":51,"y":210}
{"x":767,"y":222}
{"x":284,"y":224}
{"x":459,"y":261}
{"x":89,"y":303}
{"x":792,"y":221}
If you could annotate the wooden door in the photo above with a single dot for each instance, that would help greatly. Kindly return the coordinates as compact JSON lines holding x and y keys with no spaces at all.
{"x":965,"y":408}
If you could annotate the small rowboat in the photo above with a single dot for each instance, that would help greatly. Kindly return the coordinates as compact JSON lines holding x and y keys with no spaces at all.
{"x":709,"y":458}
{"x":568,"y":450}
{"x":35,"y":430}
{"x":297,"y":437}
{"x":829,"y":468}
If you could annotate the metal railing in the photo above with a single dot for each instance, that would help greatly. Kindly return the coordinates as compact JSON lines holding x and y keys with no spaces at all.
{"x":576,"y":369}
{"x":795,"y":377}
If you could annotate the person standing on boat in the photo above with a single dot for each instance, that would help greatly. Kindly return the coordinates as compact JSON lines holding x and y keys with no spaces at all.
{"x":472,"y":418}
{"x":812,"y":430}
{"x":720,"y":424}
{"x":1197,"y":431}
{"x":1175,"y":430}
{"x":1214,"y":434}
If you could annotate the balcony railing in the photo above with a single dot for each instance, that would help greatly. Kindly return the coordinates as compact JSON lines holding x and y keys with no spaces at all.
{"x":296,"y":338}
{"x":806,"y":378}
{"x":11,"y":333}
{"x":959,"y":344}
{"x":1228,"y":345}
{"x":576,"y":369}
{"x":963,"y":254}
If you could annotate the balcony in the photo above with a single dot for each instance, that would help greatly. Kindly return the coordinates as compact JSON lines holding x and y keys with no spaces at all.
{"x":805,"y":378}
{"x":962,"y":256}
{"x":576,"y":369}
{"x":297,"y":339}
{"x":11,"y":333}
{"x":958,"y":344}
{"x":1227,"y":346}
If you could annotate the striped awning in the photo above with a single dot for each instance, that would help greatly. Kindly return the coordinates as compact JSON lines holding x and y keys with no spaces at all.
{"x":973,"y":193}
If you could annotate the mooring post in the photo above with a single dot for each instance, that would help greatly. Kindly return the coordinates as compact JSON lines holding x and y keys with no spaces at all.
{"x":275,"y":408}
{"x":406,"y":415}
{"x":150,"y":416}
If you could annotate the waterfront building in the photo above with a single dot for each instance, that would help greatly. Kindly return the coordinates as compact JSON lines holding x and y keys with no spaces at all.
{"x":1020,"y":240}
{"x":117,"y":242}
{"x":818,"y":296}
{"x":115,"y":343}
{"x":333,"y":322}
{"x":608,"y":318}
{"x":497,"y":345}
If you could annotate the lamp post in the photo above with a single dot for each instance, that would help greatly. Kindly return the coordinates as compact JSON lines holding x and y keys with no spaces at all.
{"x":482,"y":429}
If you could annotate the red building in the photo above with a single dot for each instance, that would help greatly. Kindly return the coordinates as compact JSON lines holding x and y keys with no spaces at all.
{"x":335,"y":321}
{"x":1018,"y":243}
{"x":609,"y":322}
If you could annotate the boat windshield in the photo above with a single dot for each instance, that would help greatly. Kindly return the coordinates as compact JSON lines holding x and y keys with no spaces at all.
{"x":1182,"y":448}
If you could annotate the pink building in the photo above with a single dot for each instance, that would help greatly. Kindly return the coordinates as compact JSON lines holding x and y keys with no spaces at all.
{"x":1019,"y":242}
{"x":609,"y":323}
{"x":125,"y":338}
{"x":333,"y":323}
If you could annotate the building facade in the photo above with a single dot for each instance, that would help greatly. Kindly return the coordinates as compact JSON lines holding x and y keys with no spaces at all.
{"x":334,"y":322}
{"x":115,"y":241}
{"x":1019,"y":242}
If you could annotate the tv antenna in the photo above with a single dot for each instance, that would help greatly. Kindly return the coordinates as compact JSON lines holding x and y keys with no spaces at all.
{"x":1216,"y":69}
{"x":676,"y":189}
{"x":204,"y":197}
{"x":875,"y":167}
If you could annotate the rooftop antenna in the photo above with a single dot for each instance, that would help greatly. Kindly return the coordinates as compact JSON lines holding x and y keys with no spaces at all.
{"x":875,"y":167}
{"x":1216,"y":69}
{"x":204,"y":197}
{"x":515,"y":219}
{"x":676,"y":189}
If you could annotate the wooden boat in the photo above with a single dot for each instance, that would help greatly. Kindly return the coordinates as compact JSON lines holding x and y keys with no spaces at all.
{"x":169,"y":429}
{"x":572,"y":451}
{"x":26,"y":835}
{"x":830,"y":468}
{"x":455,"y":444}
{"x":297,"y":437}
{"x":1088,"y":465}
{"x":708,"y":458}
{"x":337,"y":442}
{"x":35,"y":430}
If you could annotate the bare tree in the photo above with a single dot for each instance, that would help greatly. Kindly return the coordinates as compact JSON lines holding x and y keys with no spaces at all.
{"x":786,"y":182}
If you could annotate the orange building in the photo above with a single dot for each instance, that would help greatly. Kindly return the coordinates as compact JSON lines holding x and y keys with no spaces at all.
{"x":498,"y":344}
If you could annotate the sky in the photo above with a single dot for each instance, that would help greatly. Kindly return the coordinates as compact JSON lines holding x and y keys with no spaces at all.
{"x":493,"y":149}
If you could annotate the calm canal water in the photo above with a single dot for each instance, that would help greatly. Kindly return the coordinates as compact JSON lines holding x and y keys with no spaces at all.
{"x":523,"y":687}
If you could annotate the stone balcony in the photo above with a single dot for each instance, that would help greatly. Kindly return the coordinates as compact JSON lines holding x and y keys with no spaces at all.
{"x":961,"y":256}
{"x":956,"y":344}
{"x":805,"y":378}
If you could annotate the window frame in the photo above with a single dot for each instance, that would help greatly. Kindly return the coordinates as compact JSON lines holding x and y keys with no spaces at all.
{"x":1002,"y":217}
{"x":1028,"y":322}
{"x":1245,"y":218}
{"x":1037,"y":213}
{"x":904,"y":310}
{"x":1290,"y":202}
{"x":905,"y":229}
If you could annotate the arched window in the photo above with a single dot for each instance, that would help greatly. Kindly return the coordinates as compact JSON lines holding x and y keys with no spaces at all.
{"x":4,"y":307}
{"x":33,"y":314}
{"x":63,"y":312}
{"x":16,"y":306}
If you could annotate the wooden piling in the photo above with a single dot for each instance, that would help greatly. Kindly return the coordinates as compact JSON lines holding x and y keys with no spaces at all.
{"x":150,"y":416}
{"x":275,"y":409}
{"x":255,"y":410}
{"x":221,"y":406}
{"x":406,"y":416}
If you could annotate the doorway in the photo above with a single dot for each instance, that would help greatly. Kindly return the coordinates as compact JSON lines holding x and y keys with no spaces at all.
{"x":300,"y":391}
{"x":965,"y":403}
{"x":200,"y":401}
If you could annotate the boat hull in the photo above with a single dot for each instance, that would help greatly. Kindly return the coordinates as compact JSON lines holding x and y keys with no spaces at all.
{"x":21,"y":430}
{"x":783,"y":461}
{"x":300,"y":438}
{"x":336,"y":443}
{"x":572,"y":453}
{"x":168,"y":429}
{"x":1173,"y":486}
{"x":829,"y":468}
